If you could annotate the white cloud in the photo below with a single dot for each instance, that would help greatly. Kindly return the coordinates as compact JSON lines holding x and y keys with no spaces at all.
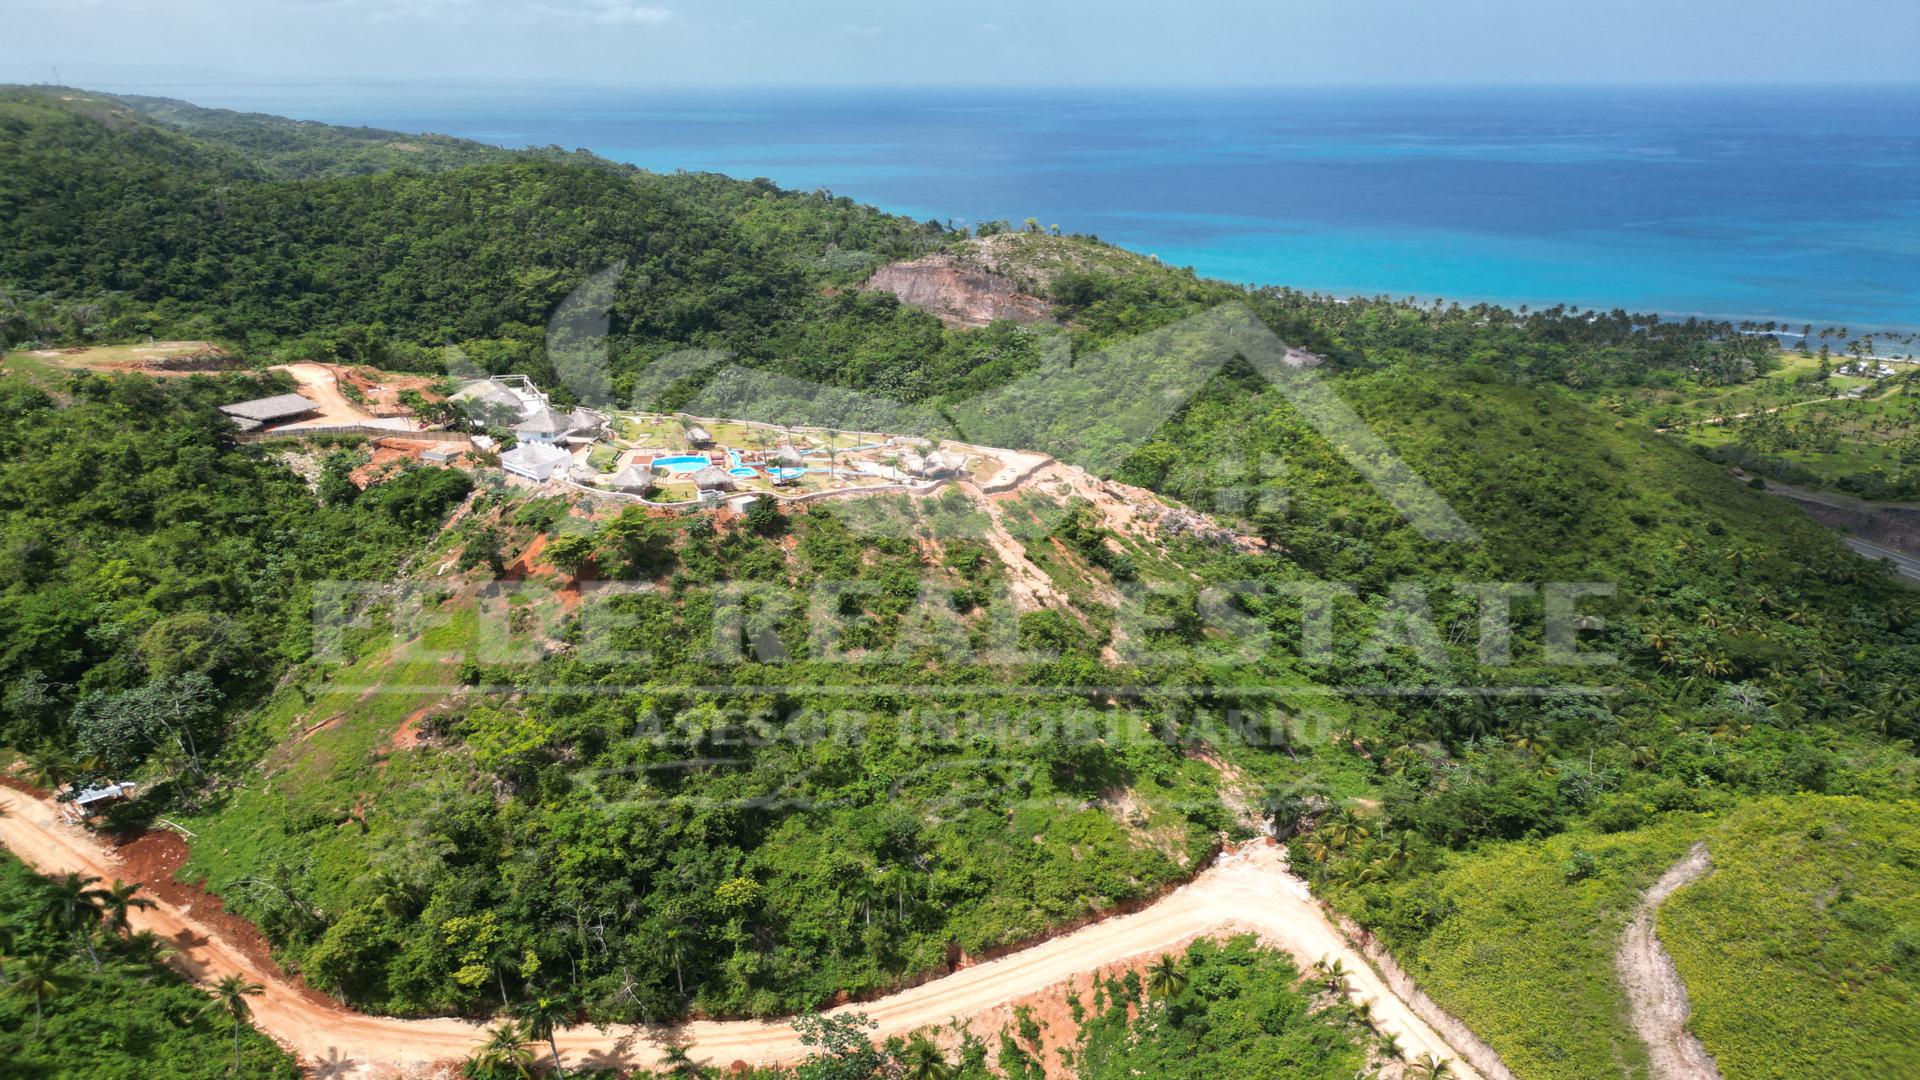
{"x":601,"y":12}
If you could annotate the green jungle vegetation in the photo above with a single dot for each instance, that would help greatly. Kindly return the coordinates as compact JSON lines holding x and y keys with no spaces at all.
{"x":81,"y":996}
{"x":1224,"y":1009}
{"x":484,"y":833}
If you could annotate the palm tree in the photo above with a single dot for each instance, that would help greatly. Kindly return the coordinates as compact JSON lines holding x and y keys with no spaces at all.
{"x":1164,"y":977}
{"x":539,"y":1018}
{"x":1431,"y":1068}
{"x":1286,"y":809}
{"x":924,"y":1061}
{"x":1346,"y":829}
{"x":73,"y":907}
{"x":231,"y":993}
{"x":676,"y":1061}
{"x":48,"y":768}
{"x":504,"y":1051}
{"x":39,"y":977}
{"x":1333,"y":972}
{"x":119,"y":902}
{"x":1390,"y":1046}
{"x":144,"y":948}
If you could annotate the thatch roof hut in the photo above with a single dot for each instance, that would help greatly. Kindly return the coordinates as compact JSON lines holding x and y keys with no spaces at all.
{"x":698,"y":436}
{"x":713,"y":478}
{"x":787,"y":455}
{"x":585,"y":422}
{"x":634,"y":478}
{"x":543,"y":425}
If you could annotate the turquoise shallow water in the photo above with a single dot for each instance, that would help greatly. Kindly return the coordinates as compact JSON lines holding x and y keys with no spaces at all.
{"x":1769,"y":203}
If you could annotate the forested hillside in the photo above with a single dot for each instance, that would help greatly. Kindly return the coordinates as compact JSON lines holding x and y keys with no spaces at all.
{"x":656,"y":833}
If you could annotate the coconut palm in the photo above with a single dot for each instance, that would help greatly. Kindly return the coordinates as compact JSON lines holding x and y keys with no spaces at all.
{"x":539,"y":1018}
{"x":1346,"y":829}
{"x":118,"y":902}
{"x":1332,"y":972}
{"x":37,"y":976}
{"x":676,"y":1061}
{"x":73,"y":907}
{"x":505,"y":1051}
{"x":924,"y":1061}
{"x":1390,"y":1047}
{"x":1430,"y":1068}
{"x":1164,"y":977}
{"x":231,"y":994}
{"x":143,"y":949}
{"x":48,"y":768}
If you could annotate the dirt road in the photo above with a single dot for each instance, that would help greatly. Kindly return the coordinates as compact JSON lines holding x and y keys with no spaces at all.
{"x":1656,"y":998}
{"x":1248,"y":889}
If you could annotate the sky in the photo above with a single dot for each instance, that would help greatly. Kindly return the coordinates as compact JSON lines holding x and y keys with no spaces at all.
{"x":132,"y":44}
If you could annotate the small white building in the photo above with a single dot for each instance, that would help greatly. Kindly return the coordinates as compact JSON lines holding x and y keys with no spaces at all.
{"x":535,"y":461}
{"x":503,"y":400}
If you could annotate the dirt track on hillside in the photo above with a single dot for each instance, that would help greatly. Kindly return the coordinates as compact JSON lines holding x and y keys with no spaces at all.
{"x":320,"y":385}
{"x":1248,"y":889}
{"x":1656,"y":998}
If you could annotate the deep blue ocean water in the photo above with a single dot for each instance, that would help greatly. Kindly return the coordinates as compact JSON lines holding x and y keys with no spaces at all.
{"x":1767,"y":203}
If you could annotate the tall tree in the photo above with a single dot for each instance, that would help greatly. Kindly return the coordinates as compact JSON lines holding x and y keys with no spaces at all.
{"x":231,"y":994}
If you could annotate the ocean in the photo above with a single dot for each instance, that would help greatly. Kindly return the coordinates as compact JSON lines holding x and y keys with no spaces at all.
{"x":1788,"y":203}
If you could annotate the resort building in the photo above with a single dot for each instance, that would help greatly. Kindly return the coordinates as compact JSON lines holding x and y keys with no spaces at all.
{"x":543,"y":425}
{"x":535,"y":461}
{"x":259,"y":412}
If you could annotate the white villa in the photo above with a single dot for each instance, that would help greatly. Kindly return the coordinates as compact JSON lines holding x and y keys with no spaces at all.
{"x":536,"y":461}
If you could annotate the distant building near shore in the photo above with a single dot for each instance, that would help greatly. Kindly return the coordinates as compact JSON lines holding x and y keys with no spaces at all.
{"x":1865,"y":369}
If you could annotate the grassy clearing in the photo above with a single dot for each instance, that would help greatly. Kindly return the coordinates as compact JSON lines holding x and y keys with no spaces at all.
{"x":1524,"y":955}
{"x":331,"y":771}
{"x":1801,"y":950}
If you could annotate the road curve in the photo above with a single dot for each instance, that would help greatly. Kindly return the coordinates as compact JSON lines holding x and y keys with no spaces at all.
{"x":1248,"y":889}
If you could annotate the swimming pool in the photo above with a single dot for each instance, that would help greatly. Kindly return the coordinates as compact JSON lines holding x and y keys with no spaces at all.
{"x":685,"y":463}
{"x":780,"y":472}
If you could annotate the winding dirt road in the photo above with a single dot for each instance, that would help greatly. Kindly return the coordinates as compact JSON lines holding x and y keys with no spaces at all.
{"x":1656,"y":998}
{"x":1247,"y":889}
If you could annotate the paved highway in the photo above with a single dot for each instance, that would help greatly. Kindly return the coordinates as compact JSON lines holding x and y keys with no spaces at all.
{"x":1906,"y":565}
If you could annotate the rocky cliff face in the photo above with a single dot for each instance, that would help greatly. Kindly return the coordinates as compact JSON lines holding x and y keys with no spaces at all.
{"x":957,"y":292}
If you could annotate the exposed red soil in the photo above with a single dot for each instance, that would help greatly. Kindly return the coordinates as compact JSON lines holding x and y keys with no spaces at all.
{"x":958,"y":293}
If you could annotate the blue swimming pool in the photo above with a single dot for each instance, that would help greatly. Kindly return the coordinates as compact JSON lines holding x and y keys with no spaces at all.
{"x":685,"y":463}
{"x":780,"y":472}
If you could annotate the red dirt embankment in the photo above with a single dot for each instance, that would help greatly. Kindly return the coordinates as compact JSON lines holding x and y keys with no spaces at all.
{"x":958,"y":293}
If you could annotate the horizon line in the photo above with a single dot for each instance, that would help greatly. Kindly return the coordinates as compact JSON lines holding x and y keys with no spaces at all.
{"x":1011,"y":87}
